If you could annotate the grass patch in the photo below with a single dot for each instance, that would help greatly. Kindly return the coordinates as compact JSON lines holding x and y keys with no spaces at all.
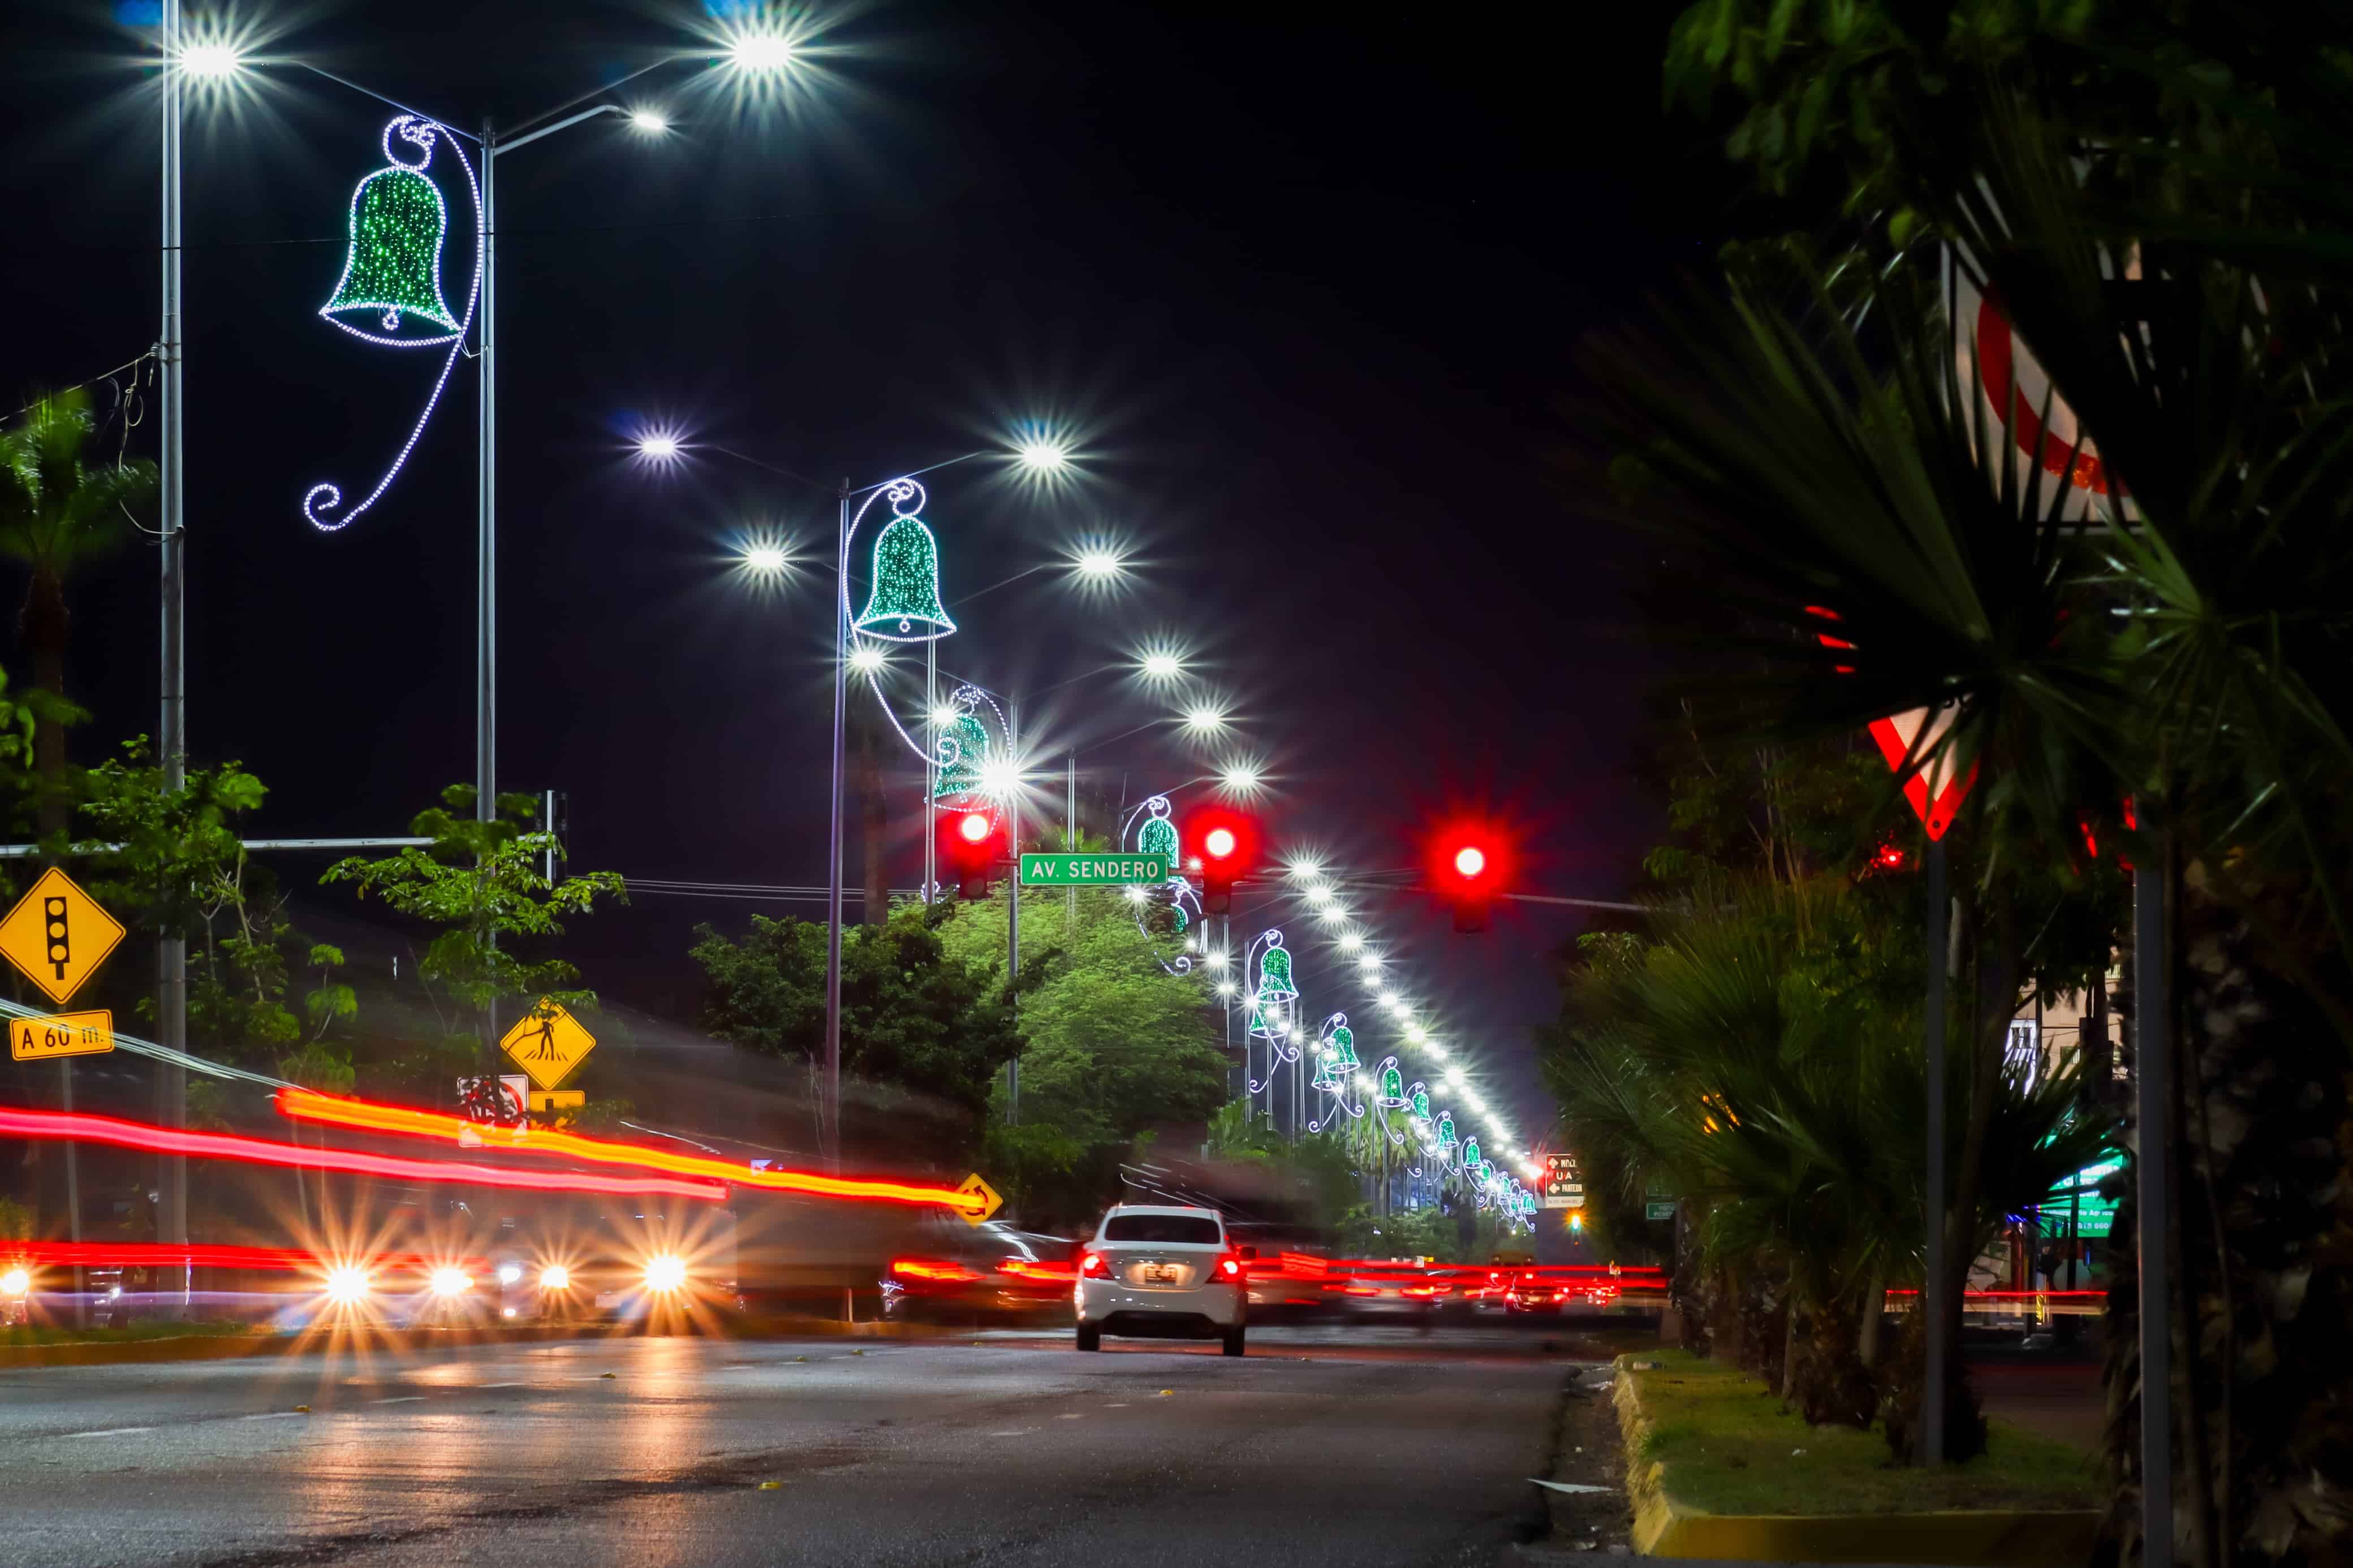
{"x":67,"y":1334}
{"x":1727,"y":1446}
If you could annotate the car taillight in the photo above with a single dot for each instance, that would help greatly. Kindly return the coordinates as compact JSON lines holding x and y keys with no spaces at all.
{"x":933,"y":1269}
{"x":1093,"y":1267}
{"x":1229,"y":1268}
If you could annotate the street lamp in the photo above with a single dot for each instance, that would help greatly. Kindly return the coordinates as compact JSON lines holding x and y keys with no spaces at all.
{"x":762,"y":52}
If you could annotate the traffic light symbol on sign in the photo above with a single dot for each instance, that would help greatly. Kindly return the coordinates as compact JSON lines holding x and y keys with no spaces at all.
{"x":58,"y":935}
{"x":53,"y":915}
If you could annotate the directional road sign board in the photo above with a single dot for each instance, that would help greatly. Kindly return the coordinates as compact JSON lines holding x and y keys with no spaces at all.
{"x":547,"y":1043}
{"x":65,"y":1034}
{"x":1658,"y":1208}
{"x":990,"y":1202}
{"x":1091,"y":870}
{"x":58,"y":935}
{"x":1553,"y":1200}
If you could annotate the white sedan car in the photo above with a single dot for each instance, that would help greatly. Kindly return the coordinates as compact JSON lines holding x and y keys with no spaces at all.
{"x":1164,"y":1273}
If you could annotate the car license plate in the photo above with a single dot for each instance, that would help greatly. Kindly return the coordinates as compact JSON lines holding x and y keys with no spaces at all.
{"x":1160,"y":1273}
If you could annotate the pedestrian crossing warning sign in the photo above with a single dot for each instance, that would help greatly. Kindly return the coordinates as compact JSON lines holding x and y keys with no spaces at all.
{"x":58,"y":935}
{"x":547,"y":1043}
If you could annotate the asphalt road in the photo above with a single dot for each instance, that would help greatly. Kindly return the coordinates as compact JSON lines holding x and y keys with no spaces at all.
{"x":1356,"y":1447}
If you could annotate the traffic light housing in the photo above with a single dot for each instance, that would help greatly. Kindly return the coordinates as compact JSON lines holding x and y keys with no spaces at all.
{"x":1222,"y":845}
{"x":971,"y":841}
{"x":1469,"y":862}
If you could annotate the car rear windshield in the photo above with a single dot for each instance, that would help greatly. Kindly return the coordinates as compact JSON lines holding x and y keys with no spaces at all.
{"x":1176,"y":1228}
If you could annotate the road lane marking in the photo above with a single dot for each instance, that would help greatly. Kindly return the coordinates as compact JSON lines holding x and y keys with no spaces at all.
{"x":1120,"y":1405}
{"x":276,"y":1414}
{"x":1072,"y":1416}
{"x":1019,"y":1432}
{"x":111,"y":1432}
{"x":399,"y":1399}
{"x":503,"y":1385}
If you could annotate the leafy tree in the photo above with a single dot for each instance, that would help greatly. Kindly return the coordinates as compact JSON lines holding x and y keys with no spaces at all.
{"x":181,"y":868}
{"x":1112,"y":1045}
{"x":59,"y":511}
{"x":485,"y":884}
{"x":913,"y":1015}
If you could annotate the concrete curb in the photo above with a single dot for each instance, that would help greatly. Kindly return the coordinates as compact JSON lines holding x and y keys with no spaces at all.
{"x":1664,"y":1527}
{"x":231,"y":1347}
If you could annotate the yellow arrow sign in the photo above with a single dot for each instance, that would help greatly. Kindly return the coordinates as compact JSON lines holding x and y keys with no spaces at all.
{"x":67,"y":1035}
{"x":547,"y":1043}
{"x":58,"y":935}
{"x":991,"y":1203}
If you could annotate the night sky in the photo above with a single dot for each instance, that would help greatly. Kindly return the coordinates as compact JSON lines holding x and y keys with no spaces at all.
{"x":1305,"y":286}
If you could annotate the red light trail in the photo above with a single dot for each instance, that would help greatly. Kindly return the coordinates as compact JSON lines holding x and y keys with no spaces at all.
{"x":154,"y":1255}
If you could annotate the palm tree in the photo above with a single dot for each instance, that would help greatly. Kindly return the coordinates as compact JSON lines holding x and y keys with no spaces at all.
{"x":58,"y":512}
{"x":1753,"y":1057}
{"x":2158,"y":210}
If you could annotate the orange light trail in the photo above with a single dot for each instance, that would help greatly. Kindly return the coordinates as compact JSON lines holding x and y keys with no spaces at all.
{"x":78,"y":1127}
{"x":306,"y":1105}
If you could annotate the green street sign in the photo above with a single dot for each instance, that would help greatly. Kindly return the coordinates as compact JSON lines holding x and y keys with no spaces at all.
{"x":2094,"y":1216}
{"x":1659,"y":1210}
{"x":1091,"y":870}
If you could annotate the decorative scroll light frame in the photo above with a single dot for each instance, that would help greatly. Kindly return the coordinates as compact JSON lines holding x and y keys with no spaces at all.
{"x":419,"y":131}
{"x":1178,"y":892}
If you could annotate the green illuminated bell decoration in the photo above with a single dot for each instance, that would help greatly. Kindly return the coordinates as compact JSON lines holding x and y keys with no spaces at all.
{"x":1157,"y":836}
{"x":1392,"y":1087}
{"x":1446,"y":1130}
{"x":1270,"y":1018}
{"x":1338,"y":1063}
{"x":1470,"y":1160}
{"x":960,"y":775}
{"x":1421,"y":1104}
{"x":391,"y":288}
{"x":904,"y":603}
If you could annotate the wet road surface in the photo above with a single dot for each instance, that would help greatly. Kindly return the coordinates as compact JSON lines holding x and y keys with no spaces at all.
{"x":1356,"y":1447}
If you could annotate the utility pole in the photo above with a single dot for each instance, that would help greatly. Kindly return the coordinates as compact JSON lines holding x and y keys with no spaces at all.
{"x":171,"y":739}
{"x":832,"y":1112}
{"x":2152,"y":1023}
{"x":1013,"y":904}
{"x":930,"y":768}
{"x":1936,"y":1288}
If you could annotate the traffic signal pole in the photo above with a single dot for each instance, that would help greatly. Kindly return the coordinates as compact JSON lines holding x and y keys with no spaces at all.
{"x":1013,"y":910}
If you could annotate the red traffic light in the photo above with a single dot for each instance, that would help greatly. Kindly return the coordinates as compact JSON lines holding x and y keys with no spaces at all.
{"x":971,"y":843}
{"x":1469,"y":861}
{"x":1222,"y":845}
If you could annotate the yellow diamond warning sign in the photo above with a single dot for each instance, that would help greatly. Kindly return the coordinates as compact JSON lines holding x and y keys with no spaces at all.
{"x":58,"y":935}
{"x":991,"y":1203}
{"x":67,"y":1035}
{"x":547,"y":1043}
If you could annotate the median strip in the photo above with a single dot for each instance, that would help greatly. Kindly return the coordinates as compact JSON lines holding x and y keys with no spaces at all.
{"x":1716,"y":1468}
